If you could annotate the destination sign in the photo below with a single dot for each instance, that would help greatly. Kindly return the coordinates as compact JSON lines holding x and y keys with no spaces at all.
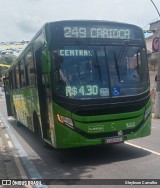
{"x":98,"y":32}
{"x":74,"y":52}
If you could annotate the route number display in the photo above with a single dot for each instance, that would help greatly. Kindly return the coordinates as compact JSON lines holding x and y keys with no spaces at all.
{"x":97,"y":32}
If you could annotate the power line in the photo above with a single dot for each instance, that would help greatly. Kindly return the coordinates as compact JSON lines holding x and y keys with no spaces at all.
{"x":156,"y":8}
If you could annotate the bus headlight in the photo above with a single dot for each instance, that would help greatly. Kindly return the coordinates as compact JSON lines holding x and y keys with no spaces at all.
{"x":65,"y":120}
{"x":147,"y":112}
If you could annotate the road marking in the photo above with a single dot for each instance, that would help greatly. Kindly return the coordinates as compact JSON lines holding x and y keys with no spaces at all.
{"x":20,"y":167}
{"x":154,"y":152}
{"x":6,"y":135}
{"x":153,"y":127}
{"x":29,"y":166}
{"x":10,"y":144}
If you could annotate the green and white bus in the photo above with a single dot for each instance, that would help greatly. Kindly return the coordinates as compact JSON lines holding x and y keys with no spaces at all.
{"x":82,"y":83}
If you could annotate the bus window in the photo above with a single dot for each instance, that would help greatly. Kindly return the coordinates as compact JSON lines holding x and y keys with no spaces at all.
{"x":84,"y":72}
{"x":0,"y":82}
{"x":17,"y":76}
{"x":10,"y":80}
{"x":14,"y":79}
{"x":22,"y":73}
{"x":30,"y":69}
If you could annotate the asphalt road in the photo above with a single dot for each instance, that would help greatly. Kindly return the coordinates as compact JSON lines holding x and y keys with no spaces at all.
{"x":136,"y":159}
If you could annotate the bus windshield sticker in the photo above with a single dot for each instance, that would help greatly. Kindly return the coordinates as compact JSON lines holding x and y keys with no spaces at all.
{"x":116,"y":91}
{"x":104,"y":92}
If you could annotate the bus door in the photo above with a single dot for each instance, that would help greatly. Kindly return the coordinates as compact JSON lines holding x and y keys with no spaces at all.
{"x":44,"y":96}
{"x":8,"y":96}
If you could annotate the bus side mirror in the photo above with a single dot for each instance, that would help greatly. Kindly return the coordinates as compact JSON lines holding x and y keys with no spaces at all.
{"x":46,"y":62}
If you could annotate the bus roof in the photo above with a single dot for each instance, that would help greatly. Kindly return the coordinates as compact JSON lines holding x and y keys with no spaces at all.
{"x":63,"y":22}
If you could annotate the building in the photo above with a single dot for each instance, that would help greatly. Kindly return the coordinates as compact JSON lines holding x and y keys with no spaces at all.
{"x":153,"y":58}
{"x":152,"y":55}
{"x":14,"y":48}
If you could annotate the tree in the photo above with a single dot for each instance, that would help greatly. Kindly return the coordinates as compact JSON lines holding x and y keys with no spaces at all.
{"x":7,"y":59}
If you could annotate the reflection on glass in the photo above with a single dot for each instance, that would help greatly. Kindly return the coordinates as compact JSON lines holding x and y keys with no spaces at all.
{"x":98,"y":72}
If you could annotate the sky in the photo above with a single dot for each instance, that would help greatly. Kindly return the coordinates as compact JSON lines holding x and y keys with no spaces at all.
{"x":21,"y":19}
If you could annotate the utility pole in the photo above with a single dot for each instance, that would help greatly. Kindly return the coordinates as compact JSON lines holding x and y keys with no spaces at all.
{"x":157,"y":100}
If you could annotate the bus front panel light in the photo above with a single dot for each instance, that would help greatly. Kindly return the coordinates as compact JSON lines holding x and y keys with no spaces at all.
{"x":65,"y":120}
{"x":147,"y":112}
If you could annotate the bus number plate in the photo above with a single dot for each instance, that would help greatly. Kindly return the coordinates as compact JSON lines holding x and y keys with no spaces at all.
{"x":115,"y":139}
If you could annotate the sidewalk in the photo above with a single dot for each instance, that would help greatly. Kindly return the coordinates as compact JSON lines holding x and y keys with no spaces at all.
{"x":8,"y":166}
{"x":3,"y":172}
{"x":15,"y":167}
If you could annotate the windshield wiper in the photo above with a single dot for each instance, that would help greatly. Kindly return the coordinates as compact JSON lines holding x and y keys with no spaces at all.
{"x":120,"y":59}
{"x":98,"y":66}
{"x":122,"y":52}
{"x":117,"y":68}
{"x":93,"y":56}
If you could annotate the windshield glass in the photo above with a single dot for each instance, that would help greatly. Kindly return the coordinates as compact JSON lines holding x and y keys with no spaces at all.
{"x":100,"y":72}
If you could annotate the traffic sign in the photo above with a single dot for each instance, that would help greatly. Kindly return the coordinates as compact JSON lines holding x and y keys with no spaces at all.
{"x":155,"y":44}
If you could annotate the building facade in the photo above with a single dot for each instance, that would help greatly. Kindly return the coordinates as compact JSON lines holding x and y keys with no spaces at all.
{"x":152,"y":54}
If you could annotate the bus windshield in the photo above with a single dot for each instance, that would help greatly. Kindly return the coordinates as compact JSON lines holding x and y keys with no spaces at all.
{"x":100,"y":71}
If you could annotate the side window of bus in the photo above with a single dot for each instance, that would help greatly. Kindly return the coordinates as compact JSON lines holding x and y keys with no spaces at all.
{"x":11,"y":80}
{"x":17,"y":76}
{"x":14,"y":78}
{"x":0,"y":82}
{"x":30,"y":68}
{"x":22,"y":73}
